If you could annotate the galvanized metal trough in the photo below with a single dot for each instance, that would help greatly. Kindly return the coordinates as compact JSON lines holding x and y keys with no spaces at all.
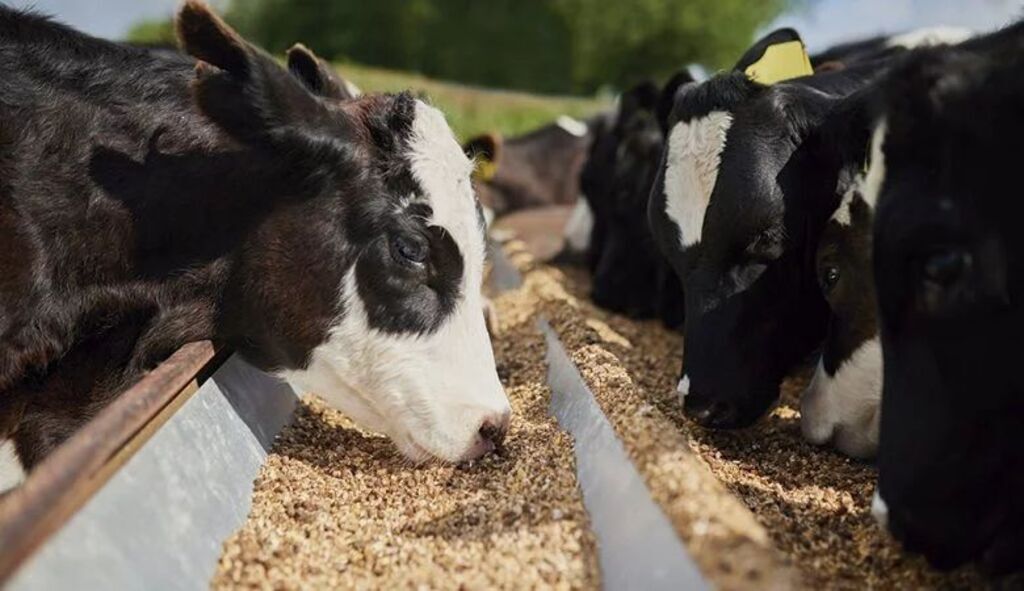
{"x":144,"y":496}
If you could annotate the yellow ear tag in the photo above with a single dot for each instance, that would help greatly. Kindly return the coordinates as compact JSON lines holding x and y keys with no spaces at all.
{"x":485,"y":170}
{"x":782,"y":61}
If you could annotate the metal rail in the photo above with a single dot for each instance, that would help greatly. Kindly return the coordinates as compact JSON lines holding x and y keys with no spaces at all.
{"x":69,"y":476}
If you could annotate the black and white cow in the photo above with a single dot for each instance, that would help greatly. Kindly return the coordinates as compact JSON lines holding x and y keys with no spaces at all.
{"x":881,"y":46}
{"x":841,"y":405}
{"x":148,"y":199}
{"x":751,"y":176}
{"x":949,"y":272}
{"x":748,"y":180}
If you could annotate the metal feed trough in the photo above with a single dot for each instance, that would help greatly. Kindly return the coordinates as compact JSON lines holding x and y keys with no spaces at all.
{"x":144,"y":496}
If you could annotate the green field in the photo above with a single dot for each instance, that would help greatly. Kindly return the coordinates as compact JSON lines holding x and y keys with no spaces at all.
{"x":472,"y":110}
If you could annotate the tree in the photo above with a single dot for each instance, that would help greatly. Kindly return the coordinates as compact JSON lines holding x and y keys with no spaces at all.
{"x":152,"y":32}
{"x":553,"y":46}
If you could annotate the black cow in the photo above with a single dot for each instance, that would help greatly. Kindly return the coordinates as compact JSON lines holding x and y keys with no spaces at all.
{"x":630,"y":274}
{"x":950,"y":287}
{"x":749,"y":178}
{"x":148,"y":199}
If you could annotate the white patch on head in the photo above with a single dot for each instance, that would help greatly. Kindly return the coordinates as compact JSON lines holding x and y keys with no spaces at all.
{"x":352,"y":89}
{"x":694,"y":156}
{"x":843,"y":213}
{"x":580,"y":224}
{"x":844,"y":408}
{"x":12,"y":473}
{"x":431,"y":393}
{"x":876,"y":169}
{"x":573,"y":127}
{"x":879,"y":510}
{"x":930,"y":36}
{"x":683,"y":388}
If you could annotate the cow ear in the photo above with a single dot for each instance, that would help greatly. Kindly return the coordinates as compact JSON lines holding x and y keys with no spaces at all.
{"x":242,"y":89}
{"x":484,"y":150}
{"x":779,"y":56}
{"x":668,"y":96}
{"x":317,"y":75}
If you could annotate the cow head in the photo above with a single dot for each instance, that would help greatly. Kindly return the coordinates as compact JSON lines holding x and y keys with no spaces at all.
{"x":362,"y":280}
{"x":841,"y":404}
{"x":949,"y":275}
{"x":626,"y":271}
{"x":737,"y":208}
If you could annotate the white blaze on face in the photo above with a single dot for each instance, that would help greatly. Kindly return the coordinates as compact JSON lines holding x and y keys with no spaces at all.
{"x":844,"y":408}
{"x":930,"y":36}
{"x":11,"y":471}
{"x":694,"y":156}
{"x":843,"y":215}
{"x":876,"y":169}
{"x":429,"y":393}
{"x":580,"y":224}
{"x":573,"y":127}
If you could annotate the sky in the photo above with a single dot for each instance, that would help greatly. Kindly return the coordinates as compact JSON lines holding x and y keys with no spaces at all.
{"x":820,"y":22}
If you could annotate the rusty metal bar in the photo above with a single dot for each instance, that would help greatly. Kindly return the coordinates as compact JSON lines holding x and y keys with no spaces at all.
{"x":69,"y":476}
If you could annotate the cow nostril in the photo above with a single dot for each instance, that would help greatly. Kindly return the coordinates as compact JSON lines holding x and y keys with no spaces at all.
{"x":715,"y":414}
{"x":494,"y":430}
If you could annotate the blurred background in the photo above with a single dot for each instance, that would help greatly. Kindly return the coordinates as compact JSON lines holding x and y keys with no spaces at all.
{"x":546,"y":57}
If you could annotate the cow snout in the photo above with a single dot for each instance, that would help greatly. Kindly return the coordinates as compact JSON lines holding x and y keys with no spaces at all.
{"x":709,"y":412}
{"x":490,"y":436}
{"x":493,"y":430}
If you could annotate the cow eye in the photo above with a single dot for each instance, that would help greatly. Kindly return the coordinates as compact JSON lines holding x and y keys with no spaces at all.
{"x":945,"y":267}
{"x":829,"y":277}
{"x":409,"y":249}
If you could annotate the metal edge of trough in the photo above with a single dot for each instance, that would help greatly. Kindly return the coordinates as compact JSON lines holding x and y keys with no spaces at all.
{"x":161,"y":519}
{"x":638,"y":547}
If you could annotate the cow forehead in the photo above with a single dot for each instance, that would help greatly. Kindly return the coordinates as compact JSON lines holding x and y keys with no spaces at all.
{"x":442,"y":169}
{"x":691,"y":171}
{"x":872,"y":185}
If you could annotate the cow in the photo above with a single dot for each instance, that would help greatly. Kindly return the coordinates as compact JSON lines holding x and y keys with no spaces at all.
{"x":841,"y":405}
{"x":747,"y":182}
{"x":842,"y":402}
{"x":532,"y":170}
{"x":629,"y":274}
{"x":150,"y":199}
{"x":752,"y":173}
{"x":881,"y":46}
{"x":948,"y":275}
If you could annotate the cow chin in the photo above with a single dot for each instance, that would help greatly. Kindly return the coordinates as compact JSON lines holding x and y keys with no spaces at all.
{"x":434,"y":395}
{"x":844,"y":408}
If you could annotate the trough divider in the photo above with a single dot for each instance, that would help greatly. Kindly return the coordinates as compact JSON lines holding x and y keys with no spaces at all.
{"x":638,"y":547}
{"x":68,"y":477}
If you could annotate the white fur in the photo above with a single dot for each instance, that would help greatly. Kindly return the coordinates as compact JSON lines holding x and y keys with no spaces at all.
{"x":879,"y":510}
{"x":573,"y":127}
{"x":694,"y":156}
{"x":930,"y":36}
{"x":11,"y":471}
{"x":352,"y":89}
{"x":843,"y":214}
{"x":580,"y":224}
{"x":876,"y":169}
{"x":430,"y":394}
{"x":844,"y":408}
{"x":683,"y":388}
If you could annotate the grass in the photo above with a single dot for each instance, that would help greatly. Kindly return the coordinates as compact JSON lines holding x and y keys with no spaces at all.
{"x":471,"y":110}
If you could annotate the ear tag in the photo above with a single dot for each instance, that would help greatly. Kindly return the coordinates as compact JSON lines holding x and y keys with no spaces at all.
{"x":485,"y":170}
{"x":782,"y":61}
